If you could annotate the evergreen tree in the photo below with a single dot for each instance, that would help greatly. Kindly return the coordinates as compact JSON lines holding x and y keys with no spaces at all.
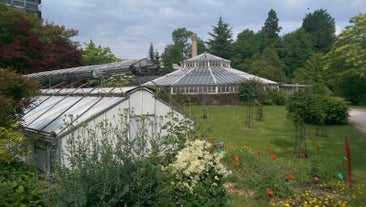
{"x":271,"y":25}
{"x":151,"y":52}
{"x":322,"y":26}
{"x":221,"y":41}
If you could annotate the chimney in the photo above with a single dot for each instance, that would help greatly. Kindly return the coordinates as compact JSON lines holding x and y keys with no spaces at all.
{"x":194,"y":45}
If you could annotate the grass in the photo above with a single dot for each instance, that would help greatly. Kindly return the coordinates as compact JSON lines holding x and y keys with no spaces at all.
{"x":228,"y":124}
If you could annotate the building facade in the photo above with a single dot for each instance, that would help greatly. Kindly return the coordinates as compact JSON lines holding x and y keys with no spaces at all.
{"x":30,"y":6}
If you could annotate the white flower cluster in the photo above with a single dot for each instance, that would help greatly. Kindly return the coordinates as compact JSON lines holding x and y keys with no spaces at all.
{"x":197,"y":161}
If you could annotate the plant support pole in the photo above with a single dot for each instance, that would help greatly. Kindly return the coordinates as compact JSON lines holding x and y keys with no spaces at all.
{"x":348,"y":155}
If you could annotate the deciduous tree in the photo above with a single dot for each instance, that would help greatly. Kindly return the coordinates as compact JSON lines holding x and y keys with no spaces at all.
{"x":95,"y":55}
{"x":268,"y":65}
{"x":312,"y":72}
{"x":346,"y":62}
{"x":28,"y":46}
{"x":180,"y":49}
{"x":16,"y":94}
{"x":296,"y":48}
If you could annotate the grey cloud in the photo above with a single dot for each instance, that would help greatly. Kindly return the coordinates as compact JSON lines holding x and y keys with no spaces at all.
{"x":128,"y":27}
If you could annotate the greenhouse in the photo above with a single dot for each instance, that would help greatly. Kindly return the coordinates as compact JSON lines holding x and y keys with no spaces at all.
{"x":207,"y":74}
{"x":58,"y":116}
{"x":83,"y":73}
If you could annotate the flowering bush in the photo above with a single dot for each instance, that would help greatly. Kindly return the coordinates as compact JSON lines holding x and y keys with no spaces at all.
{"x":197,"y":176}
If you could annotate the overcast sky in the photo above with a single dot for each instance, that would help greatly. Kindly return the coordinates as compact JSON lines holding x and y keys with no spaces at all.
{"x":128,"y":27}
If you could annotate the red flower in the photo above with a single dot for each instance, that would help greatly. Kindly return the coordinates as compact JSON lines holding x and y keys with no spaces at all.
{"x":271,"y":193}
{"x":316,"y":178}
{"x":318,"y":149}
{"x":290,"y":177}
{"x":236,"y":158}
{"x":268,"y":149}
{"x":273,"y":157}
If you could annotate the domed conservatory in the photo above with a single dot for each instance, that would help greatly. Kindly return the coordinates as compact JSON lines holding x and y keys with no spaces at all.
{"x":208,"y":77}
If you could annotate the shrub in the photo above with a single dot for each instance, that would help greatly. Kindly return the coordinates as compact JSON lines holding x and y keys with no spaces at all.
{"x":20,"y":185}
{"x":274,"y":97}
{"x":105,"y":167}
{"x":336,"y":110}
{"x":196,"y":176}
{"x":318,"y":109}
{"x":326,"y":109}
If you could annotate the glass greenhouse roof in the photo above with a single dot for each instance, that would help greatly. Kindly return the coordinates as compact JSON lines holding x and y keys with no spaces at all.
{"x":91,"y":71}
{"x":55,"y":108}
{"x":206,"y":69}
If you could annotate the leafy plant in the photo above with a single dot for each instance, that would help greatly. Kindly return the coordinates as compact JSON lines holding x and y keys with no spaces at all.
{"x":195,"y":177}
{"x":103,"y":166}
{"x":20,"y":185}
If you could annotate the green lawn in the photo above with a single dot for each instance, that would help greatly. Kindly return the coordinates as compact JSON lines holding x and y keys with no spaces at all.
{"x":227,"y":123}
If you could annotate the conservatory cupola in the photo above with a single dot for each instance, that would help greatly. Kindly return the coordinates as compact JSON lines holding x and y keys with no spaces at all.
{"x":206,"y":74}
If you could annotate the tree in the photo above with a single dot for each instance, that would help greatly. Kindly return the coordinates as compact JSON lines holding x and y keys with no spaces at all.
{"x":312,"y":72}
{"x":321,"y":25}
{"x":28,"y":46}
{"x":296,"y":48}
{"x":346,"y":61}
{"x":58,"y":50}
{"x":180,"y":49}
{"x":93,"y":55}
{"x":244,"y":48}
{"x":221,"y":41}
{"x":16,"y":94}
{"x":151,"y":52}
{"x":268,"y":65}
{"x":154,"y":57}
{"x":271,"y":27}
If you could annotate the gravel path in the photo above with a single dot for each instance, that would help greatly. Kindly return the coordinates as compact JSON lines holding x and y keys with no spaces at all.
{"x":358,"y":118}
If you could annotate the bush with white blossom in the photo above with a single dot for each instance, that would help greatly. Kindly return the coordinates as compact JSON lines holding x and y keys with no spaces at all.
{"x":197,"y":173}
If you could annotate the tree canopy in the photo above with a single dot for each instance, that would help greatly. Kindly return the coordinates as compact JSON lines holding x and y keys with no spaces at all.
{"x":322,"y":26}
{"x":27,"y":45}
{"x":181,"y":48}
{"x":271,"y":27}
{"x":221,"y":41}
{"x":16,"y":94}
{"x":93,"y":55}
{"x":346,"y":61}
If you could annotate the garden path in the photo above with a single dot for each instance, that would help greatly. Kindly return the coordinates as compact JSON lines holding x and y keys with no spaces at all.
{"x":357,"y":117}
